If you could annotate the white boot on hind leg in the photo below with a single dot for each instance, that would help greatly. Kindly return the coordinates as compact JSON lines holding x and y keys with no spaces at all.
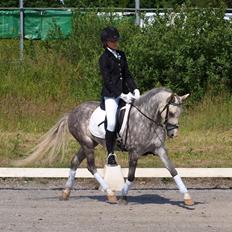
{"x":71,"y":179}
{"x":69,"y":185}
{"x":111,"y":197}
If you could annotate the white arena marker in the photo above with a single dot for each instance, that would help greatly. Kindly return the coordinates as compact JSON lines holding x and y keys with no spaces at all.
{"x":140,"y":172}
{"x":114,"y":177}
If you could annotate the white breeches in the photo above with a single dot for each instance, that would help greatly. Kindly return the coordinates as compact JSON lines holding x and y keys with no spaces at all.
{"x":111,"y":106}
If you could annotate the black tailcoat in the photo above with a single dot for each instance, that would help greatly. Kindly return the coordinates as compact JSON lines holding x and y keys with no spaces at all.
{"x":116,"y":76}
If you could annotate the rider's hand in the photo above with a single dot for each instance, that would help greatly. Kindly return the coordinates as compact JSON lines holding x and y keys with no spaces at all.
{"x":136,"y":94}
{"x":128,"y":98}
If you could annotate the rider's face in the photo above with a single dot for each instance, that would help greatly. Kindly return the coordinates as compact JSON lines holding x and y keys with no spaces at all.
{"x":112,"y":44}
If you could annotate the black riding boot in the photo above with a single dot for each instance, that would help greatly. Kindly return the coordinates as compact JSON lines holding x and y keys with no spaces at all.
{"x":110,"y":143}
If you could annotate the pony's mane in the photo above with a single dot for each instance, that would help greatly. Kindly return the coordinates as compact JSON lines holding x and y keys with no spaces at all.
{"x":149,"y":94}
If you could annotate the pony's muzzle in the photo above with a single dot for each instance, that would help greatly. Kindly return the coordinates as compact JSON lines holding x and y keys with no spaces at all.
{"x":172,"y":130}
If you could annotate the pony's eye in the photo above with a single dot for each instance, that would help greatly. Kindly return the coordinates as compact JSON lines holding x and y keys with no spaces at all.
{"x":171,"y":114}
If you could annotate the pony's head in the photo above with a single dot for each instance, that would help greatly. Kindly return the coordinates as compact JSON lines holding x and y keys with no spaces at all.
{"x":170,"y":113}
{"x":163,"y":107}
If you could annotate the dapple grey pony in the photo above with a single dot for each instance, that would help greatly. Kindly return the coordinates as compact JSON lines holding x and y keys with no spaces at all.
{"x":153,"y":116}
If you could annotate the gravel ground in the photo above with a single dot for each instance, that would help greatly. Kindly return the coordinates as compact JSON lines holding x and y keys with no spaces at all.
{"x":154,"y":205}
{"x":139,"y":183}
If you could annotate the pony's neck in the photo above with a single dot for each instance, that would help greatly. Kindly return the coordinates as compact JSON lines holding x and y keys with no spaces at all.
{"x":151,"y":102}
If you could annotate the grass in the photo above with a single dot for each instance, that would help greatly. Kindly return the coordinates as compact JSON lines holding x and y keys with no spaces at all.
{"x":36,"y":93}
{"x":205,"y":138}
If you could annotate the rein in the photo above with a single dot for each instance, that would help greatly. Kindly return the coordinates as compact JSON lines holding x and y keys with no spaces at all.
{"x":169,"y":126}
{"x":127,"y":127}
{"x":145,"y":115}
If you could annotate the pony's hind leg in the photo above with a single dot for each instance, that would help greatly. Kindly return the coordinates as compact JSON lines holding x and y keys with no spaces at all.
{"x":169,"y":165}
{"x":111,"y":197}
{"x":76,"y":161}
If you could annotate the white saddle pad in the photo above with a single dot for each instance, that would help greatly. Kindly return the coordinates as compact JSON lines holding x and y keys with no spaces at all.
{"x":96,"y":124}
{"x":97,"y":117}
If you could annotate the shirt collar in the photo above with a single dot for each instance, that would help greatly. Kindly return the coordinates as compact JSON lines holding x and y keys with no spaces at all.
{"x":114,"y":52}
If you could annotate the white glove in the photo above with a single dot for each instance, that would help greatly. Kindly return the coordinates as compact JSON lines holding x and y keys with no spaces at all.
{"x":128,"y":98}
{"x":136,"y":94}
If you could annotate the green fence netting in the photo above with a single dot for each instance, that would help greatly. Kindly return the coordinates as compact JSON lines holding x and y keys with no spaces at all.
{"x":38,"y":24}
{"x":9,"y":24}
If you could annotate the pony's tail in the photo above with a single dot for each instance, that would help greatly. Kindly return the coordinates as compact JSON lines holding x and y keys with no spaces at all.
{"x":50,"y":145}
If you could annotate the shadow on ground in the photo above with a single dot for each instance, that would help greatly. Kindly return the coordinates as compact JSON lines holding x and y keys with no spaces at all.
{"x":132,"y":200}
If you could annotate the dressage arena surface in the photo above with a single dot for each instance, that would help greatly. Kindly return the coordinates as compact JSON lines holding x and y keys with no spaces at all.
{"x":155,"y":205}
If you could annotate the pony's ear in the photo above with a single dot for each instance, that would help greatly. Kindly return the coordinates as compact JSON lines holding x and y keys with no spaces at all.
{"x":171,"y":98}
{"x":182,"y":98}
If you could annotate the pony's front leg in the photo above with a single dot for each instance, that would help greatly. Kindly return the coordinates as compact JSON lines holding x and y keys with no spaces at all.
{"x":162,"y":152}
{"x":133,"y":158}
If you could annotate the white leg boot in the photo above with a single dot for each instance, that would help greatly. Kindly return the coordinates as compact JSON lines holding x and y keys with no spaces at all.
{"x":111,"y":197}
{"x":183,"y":190}
{"x":69,"y":185}
{"x":71,"y":179}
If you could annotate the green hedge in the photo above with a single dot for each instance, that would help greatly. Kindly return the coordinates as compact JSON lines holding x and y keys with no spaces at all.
{"x":192,"y":54}
{"x":189,"y":50}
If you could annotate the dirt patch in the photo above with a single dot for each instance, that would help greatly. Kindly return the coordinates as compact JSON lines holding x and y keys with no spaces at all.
{"x":139,"y":183}
{"x":86,"y":210}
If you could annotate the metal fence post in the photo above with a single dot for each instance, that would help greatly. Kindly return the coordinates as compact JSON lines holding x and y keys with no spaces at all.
{"x":21,"y":29}
{"x":137,"y":12}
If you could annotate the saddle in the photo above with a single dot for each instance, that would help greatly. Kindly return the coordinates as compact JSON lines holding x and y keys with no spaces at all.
{"x":98,"y":122}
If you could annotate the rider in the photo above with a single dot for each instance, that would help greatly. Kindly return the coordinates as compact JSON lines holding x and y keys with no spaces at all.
{"x":117,"y":83}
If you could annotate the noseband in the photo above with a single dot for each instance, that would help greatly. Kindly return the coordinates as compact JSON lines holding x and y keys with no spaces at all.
{"x":168,"y":126}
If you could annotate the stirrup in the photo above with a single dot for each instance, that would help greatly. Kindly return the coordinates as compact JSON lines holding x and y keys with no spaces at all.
{"x":111,"y":159}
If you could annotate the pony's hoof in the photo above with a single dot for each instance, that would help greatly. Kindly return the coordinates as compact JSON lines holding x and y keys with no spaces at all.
{"x":188,"y":202}
{"x":65,"y":194}
{"x":112,"y":199}
{"x":123,"y":200}
{"x":187,"y":199}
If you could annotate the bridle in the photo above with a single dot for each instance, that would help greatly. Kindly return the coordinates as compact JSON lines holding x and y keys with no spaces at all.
{"x":170,"y":126}
{"x":167,"y":125}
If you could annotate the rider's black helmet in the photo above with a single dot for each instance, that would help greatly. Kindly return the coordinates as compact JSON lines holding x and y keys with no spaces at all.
{"x":109,"y":34}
